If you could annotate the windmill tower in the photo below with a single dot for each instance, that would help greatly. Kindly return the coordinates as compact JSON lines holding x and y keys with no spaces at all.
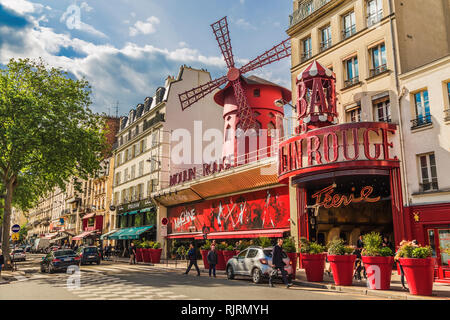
{"x":248,"y":102}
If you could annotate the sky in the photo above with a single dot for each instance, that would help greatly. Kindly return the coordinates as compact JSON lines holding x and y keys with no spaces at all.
{"x":127,"y":48}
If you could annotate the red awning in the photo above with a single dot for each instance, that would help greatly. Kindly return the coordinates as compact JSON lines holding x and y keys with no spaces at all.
{"x":270,"y":233}
{"x":188,"y":235}
{"x":50,"y":235}
{"x":90,"y":215}
{"x":83,"y":235}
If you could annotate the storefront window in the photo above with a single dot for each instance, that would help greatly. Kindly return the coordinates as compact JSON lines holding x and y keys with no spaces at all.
{"x":444,"y":242}
{"x":138,"y":220}
{"x":431,"y":241}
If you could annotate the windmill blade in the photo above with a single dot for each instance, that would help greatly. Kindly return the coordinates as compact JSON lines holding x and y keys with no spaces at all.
{"x":245,"y":114}
{"x":220,"y":29}
{"x":278,"y":52}
{"x":190,"y":97}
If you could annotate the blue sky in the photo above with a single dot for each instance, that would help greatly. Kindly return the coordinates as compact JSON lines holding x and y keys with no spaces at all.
{"x":126,"y":48}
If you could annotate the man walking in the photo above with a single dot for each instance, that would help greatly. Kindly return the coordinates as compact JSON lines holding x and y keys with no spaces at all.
{"x":132,"y":251}
{"x":212,"y":260}
{"x":278,"y":264}
{"x":192,"y":255}
{"x":2,"y":263}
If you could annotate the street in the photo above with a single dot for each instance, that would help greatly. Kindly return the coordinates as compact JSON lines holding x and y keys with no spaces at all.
{"x":120,"y":281}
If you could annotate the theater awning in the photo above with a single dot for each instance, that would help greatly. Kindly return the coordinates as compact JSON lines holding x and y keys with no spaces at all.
{"x":83,"y":235}
{"x":189,"y":235}
{"x":269,"y":233}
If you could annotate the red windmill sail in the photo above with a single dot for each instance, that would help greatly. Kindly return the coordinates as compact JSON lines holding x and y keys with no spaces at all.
{"x":220,"y":29}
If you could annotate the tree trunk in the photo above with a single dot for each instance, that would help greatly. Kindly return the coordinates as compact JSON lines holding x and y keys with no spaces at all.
{"x":7,"y":221}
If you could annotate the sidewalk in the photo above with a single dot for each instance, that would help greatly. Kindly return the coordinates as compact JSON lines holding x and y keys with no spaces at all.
{"x":440,"y":291}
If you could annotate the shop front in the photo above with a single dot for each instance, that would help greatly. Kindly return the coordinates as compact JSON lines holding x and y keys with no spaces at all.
{"x":92,"y":225}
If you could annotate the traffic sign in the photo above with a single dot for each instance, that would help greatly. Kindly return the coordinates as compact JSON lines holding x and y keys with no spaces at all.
{"x":163,"y":229}
{"x":164,"y":221}
{"x":15,"y":228}
{"x":15,"y":237}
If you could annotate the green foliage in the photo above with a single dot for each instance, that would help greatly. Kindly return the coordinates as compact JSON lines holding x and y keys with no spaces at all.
{"x":422,"y":252}
{"x":229,"y":248}
{"x":23,"y":233}
{"x":207,"y":245}
{"x":243,"y":245}
{"x":156,"y":245}
{"x":373,"y":246}
{"x":263,"y":242}
{"x":337,"y":247}
{"x":304,"y":245}
{"x":410,"y":250}
{"x":289,"y":245}
{"x":310,"y":247}
{"x":181,"y":251}
{"x":221,"y":246}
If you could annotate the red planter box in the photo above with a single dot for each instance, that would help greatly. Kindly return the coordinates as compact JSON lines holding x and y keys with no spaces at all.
{"x":419,"y":274}
{"x":227,"y":255}
{"x":155,"y":255}
{"x":220,"y":260}
{"x":379,"y":271}
{"x":293,"y":257}
{"x":342,"y":268}
{"x":314,"y":265}
{"x":139,"y":257}
{"x":146,"y":255}
{"x":205,"y":258}
{"x":300,"y":261}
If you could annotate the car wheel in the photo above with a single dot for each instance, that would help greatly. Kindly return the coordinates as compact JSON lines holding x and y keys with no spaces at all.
{"x":42,"y":268}
{"x":230,"y":273}
{"x":256,"y":276}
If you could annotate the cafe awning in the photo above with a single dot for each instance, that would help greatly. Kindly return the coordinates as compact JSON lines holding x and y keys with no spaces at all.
{"x":269,"y":233}
{"x":106,"y":235}
{"x":133,"y":233}
{"x":83,"y":235}
{"x":130,"y":212}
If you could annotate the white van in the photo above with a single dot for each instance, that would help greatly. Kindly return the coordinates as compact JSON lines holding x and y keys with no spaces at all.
{"x":40,"y":245}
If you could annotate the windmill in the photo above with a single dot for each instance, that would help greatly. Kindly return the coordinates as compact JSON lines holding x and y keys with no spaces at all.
{"x":245,"y":114}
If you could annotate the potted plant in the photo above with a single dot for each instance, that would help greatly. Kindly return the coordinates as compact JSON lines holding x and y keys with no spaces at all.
{"x":228,"y":253}
{"x":291,"y":251}
{"x":204,"y":252}
{"x":181,"y":252}
{"x":139,"y":257}
{"x":146,"y":251}
{"x":313,"y":260}
{"x":220,"y":257}
{"x":156,"y":252}
{"x":303,"y":243}
{"x":418,"y":266}
{"x":378,"y":261}
{"x":342,"y":261}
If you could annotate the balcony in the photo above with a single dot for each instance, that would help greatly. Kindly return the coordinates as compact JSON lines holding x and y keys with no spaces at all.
{"x":351,"y":82}
{"x":378,"y":70}
{"x":305,"y":9}
{"x":348,"y":32}
{"x":447,"y":115}
{"x":421,"y":121}
{"x":306,"y":55}
{"x":374,"y":18}
{"x":324,"y":45}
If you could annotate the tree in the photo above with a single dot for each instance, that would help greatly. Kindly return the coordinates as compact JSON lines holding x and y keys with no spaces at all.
{"x":47,"y":134}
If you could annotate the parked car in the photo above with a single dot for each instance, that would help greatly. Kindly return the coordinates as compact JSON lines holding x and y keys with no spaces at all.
{"x":59,"y":260}
{"x":28,"y":248}
{"x":53,"y":248}
{"x":89,"y":254}
{"x":18,"y":255}
{"x":255,"y":262}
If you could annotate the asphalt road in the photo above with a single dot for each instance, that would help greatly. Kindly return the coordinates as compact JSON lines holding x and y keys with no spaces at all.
{"x":119,"y":281}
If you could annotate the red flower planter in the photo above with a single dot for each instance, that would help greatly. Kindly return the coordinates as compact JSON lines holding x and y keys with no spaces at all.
{"x":146,"y":255}
{"x":379,"y":271}
{"x":419,"y":274}
{"x":139,"y":257}
{"x":205,"y":258}
{"x":300,"y":261}
{"x":314,"y":265}
{"x":220,"y":260}
{"x":155,"y":255}
{"x":227,"y":255}
{"x":342,"y":268}
{"x":293,"y":257}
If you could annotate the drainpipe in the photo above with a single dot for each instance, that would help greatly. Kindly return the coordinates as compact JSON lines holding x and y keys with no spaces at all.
{"x":400,"y":95}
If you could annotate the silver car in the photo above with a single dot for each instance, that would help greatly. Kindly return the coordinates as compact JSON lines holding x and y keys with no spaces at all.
{"x":255,"y":262}
{"x":18,"y":255}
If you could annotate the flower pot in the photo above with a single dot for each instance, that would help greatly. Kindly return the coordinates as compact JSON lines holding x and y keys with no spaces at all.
{"x":227,"y":255}
{"x":300,"y":261}
{"x":146,"y":255}
{"x":293,"y":257}
{"x":314,"y":265}
{"x":342,"y":268}
{"x":379,"y":271}
{"x":419,"y":274}
{"x":220,"y":260}
{"x":139,"y":257}
{"x":205,"y":258}
{"x":155,"y":255}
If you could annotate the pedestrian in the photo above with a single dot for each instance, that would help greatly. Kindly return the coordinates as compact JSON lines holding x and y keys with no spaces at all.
{"x":132,"y":252}
{"x":107,"y":251}
{"x":2,"y":263}
{"x":396,"y":259}
{"x":192,"y":255}
{"x":212,"y":260}
{"x":387,"y":243}
{"x":360,"y":243}
{"x":278,"y":264}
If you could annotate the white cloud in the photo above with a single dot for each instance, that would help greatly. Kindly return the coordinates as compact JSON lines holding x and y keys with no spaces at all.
{"x":86,"y":7}
{"x":182,"y":44}
{"x":22,"y":6}
{"x":245,"y":24}
{"x":144,"y":27}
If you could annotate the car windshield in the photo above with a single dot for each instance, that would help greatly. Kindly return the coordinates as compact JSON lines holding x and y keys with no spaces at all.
{"x":268,"y":253}
{"x":90,"y":250}
{"x":60,"y":253}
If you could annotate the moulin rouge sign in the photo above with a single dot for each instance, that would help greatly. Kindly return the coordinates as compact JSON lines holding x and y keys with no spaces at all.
{"x":350,"y":142}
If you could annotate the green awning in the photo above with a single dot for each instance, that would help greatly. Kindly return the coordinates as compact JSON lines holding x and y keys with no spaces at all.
{"x":108,"y":234}
{"x":130,"y":213}
{"x":147,"y":209}
{"x":115,"y":235}
{"x":132,"y":233}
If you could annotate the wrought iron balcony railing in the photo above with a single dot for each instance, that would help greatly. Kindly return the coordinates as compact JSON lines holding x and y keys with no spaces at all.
{"x":378,"y":70}
{"x":351,"y":82}
{"x":306,"y":55}
{"x":324,"y":45}
{"x":374,"y":18}
{"x":421,"y":121}
{"x":348,"y":32}
{"x":305,"y":9}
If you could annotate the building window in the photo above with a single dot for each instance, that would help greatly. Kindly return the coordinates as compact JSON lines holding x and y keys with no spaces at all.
{"x":382,"y":110}
{"x":351,"y":71}
{"x":428,"y":172}
{"x":422,"y":108}
{"x":133,"y":172}
{"x":374,"y":12}
{"x":141,"y":168}
{"x":354,"y":115}
{"x":447,"y":110}
{"x":257,"y":93}
{"x":126,"y":176}
{"x":349,"y":25}
{"x":326,"y":38}
{"x":307,"y":49}
{"x":155,"y":138}
{"x":378,"y":59}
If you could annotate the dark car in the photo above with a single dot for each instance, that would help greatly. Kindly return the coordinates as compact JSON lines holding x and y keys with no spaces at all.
{"x":89,"y":254}
{"x":59,"y":260}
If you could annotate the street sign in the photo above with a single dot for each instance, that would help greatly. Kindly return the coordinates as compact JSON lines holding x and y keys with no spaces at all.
{"x":15,"y":228}
{"x":163,"y":229}
{"x":15,"y":237}
{"x":164,"y":221}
